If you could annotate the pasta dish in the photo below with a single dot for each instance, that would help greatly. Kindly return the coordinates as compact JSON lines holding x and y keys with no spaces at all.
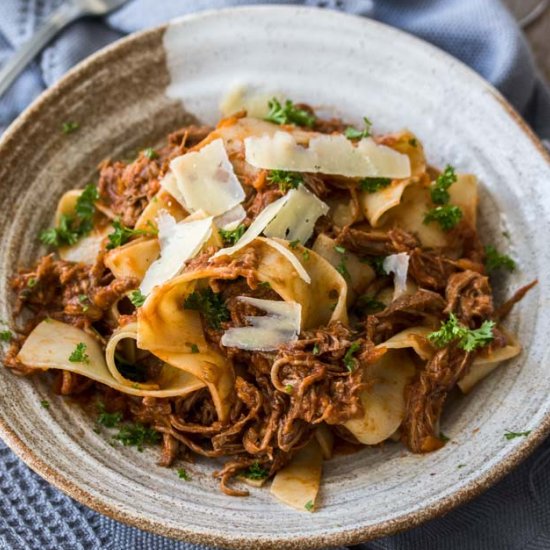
{"x":264,"y":292}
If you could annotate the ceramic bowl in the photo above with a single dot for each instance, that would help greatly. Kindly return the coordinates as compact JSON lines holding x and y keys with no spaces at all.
{"x":134,"y":92}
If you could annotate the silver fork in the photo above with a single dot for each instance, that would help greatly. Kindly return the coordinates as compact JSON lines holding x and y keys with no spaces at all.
{"x":65,"y":14}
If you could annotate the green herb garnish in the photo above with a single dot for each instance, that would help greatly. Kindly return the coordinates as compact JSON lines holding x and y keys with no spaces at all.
{"x":231,"y":236}
{"x":84,"y":302}
{"x":305,"y":254}
{"x":343,"y":270}
{"x":439,"y":191}
{"x":194,"y":347}
{"x":150,"y":153}
{"x":288,"y":113}
{"x":45,"y":404}
{"x":72,"y":228}
{"x":182,"y":474}
{"x":315,"y":349}
{"x":5,"y":336}
{"x":352,"y":133}
{"x":512,"y":435}
{"x":137,"y":435}
{"x":32,"y":282}
{"x":264,"y":284}
{"x":372,"y":185}
{"x":289,"y":388}
{"x":79,"y":354}
{"x":122,"y":234}
{"x":309,"y":505}
{"x":494,"y":260}
{"x":210,"y":304}
{"x":468,"y":339}
{"x":294,"y":244}
{"x":285,"y":180}
{"x":443,"y":437}
{"x":413,"y":142}
{"x":255,"y":471}
{"x":69,"y":127}
{"x":340,"y":249}
{"x":446,"y":216}
{"x":349,"y":360}
{"x":377,"y":264}
{"x":137,"y":298}
{"x":368,"y":304}
{"x":107,"y":419}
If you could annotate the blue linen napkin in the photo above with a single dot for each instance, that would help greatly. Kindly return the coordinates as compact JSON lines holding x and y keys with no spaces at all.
{"x":513,"y":514}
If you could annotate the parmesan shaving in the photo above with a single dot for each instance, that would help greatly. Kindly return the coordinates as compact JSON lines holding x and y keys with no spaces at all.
{"x":398,"y":264}
{"x":206,"y":180}
{"x":328,"y":154}
{"x":280,"y":326}
{"x":231,"y":219}
{"x":297,"y":217}
{"x":178,"y":242}
{"x":255,"y":228}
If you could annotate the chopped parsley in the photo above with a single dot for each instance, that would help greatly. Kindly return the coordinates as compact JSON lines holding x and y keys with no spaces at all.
{"x":5,"y":336}
{"x":309,"y":505}
{"x":255,"y":471}
{"x":288,"y":113}
{"x":468,"y":339}
{"x":315,"y":349}
{"x":340,"y":249}
{"x":285,"y":180}
{"x":182,"y":474}
{"x":512,"y":435}
{"x":45,"y":404}
{"x":349,"y":359}
{"x":368,"y":304}
{"x":150,"y":153}
{"x":294,"y":244}
{"x":137,"y":298}
{"x":377,"y":264}
{"x":84,"y":302}
{"x":439,"y":191}
{"x":210,"y":304}
{"x":352,"y":133}
{"x":72,"y":228}
{"x":70,"y":127}
{"x":443,"y":437}
{"x":305,"y":254}
{"x":343,"y":270}
{"x":137,"y":435}
{"x":289,"y":388}
{"x":231,"y":236}
{"x":79,"y":354}
{"x":446,"y":216}
{"x":122,"y":234}
{"x":107,"y":419}
{"x":194,"y":347}
{"x":413,"y":142}
{"x":32,"y":282}
{"x":494,"y":260}
{"x":461,"y":465}
{"x":372,"y":185}
{"x":264,"y":284}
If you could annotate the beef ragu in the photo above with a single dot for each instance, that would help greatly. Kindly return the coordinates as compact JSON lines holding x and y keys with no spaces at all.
{"x":257,"y":290}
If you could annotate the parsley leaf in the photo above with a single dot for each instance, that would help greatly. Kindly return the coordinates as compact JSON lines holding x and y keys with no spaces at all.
{"x":349,"y":360}
{"x":79,"y":354}
{"x":343,"y":270}
{"x":45,"y":404}
{"x":150,"y":153}
{"x":72,"y":228}
{"x":512,"y":435}
{"x":210,"y":304}
{"x":377,"y":264}
{"x":413,"y":142}
{"x":315,"y":349}
{"x":194,"y":347}
{"x":285,"y":180}
{"x":294,"y":244}
{"x":468,"y":339}
{"x":371,"y":185}
{"x":305,"y":254}
{"x":32,"y":282}
{"x":137,"y":298}
{"x":122,"y":234}
{"x":231,"y":236}
{"x":288,"y":113}
{"x":439,"y":191}
{"x":255,"y":471}
{"x":182,"y":474}
{"x":109,"y":420}
{"x":5,"y":336}
{"x":137,"y":435}
{"x":494,"y":260}
{"x":340,"y":249}
{"x":352,"y":133}
{"x":289,"y":388}
{"x":443,"y":437}
{"x":446,"y":216}
{"x":309,"y":505}
{"x":368,"y":304}
{"x":84,"y":302}
{"x":69,"y":127}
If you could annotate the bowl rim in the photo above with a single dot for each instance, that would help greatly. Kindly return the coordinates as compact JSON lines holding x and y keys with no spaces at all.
{"x":352,"y":535}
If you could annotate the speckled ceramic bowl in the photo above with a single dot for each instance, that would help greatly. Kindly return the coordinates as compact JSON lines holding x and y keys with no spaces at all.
{"x":133,"y":93}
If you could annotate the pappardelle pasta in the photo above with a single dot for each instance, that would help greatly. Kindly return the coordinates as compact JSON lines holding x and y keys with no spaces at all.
{"x":263,"y":291}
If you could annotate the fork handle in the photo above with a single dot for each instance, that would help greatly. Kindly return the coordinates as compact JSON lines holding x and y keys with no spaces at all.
{"x":60,"y":18}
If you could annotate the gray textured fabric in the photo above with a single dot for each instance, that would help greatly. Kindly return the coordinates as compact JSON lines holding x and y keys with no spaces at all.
{"x":512,"y":515}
